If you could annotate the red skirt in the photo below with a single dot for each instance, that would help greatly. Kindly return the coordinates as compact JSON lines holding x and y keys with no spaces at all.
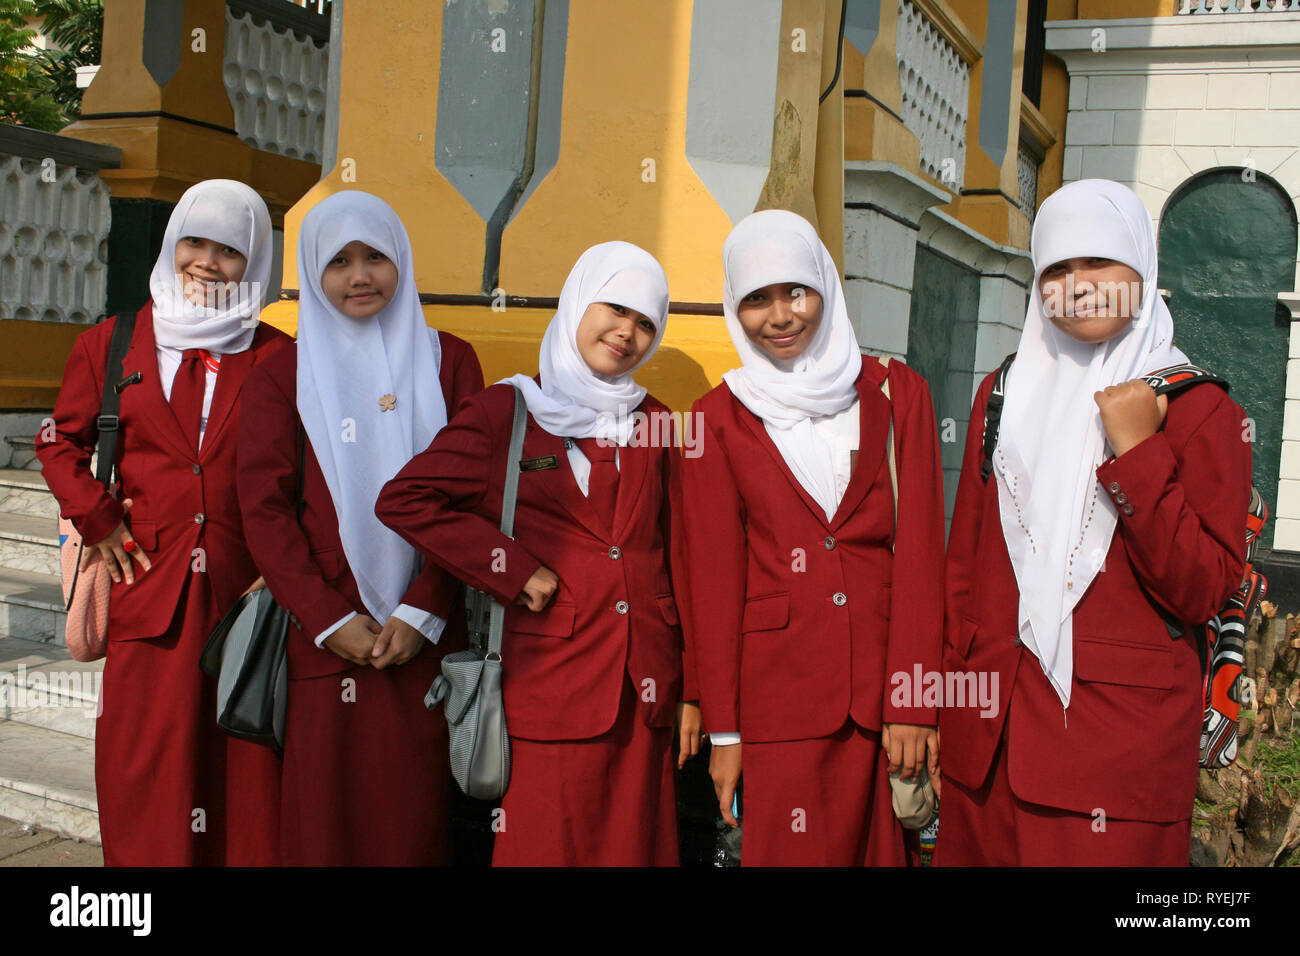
{"x":606,"y":801}
{"x":173,"y":789}
{"x":367,"y":775}
{"x":991,"y":826}
{"x":821,"y":802}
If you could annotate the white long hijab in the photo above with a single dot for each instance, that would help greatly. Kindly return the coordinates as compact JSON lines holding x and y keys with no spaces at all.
{"x":345,"y":366}
{"x":573,"y":401}
{"x":1056,"y":519}
{"x":776,"y":246}
{"x":232,"y":214}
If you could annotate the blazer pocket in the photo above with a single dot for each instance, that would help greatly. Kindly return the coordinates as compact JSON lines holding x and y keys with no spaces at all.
{"x":768,"y":612}
{"x":1132,"y":665}
{"x":330,"y":562}
{"x":668,"y":608}
{"x":145,"y":534}
{"x":553,"y":621}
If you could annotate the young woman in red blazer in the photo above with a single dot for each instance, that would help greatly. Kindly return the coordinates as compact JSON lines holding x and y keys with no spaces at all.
{"x":805,"y":595}
{"x":366,"y":778}
{"x":1109,"y":511}
{"x":592,"y":649}
{"x":173,"y":790}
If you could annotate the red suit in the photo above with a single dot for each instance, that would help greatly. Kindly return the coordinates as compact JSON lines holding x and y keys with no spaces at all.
{"x":797,"y":623}
{"x":1111,"y":780}
{"x":366,"y":772}
{"x":591,"y":681}
{"x":173,"y":790}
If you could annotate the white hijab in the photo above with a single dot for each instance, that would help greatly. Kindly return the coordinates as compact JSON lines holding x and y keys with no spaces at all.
{"x":777,"y":246}
{"x":1051,"y":438}
{"x":344,"y":366}
{"x":233,"y":214}
{"x":572,"y":400}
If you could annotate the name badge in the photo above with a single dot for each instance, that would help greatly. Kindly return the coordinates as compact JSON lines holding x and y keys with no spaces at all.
{"x":539,"y":464}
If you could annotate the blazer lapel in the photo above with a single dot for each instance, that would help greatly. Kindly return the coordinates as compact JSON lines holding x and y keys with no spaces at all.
{"x":874,"y":411}
{"x":142,"y":357}
{"x":230,"y":379}
{"x":634,"y":465}
{"x":558,"y":483}
{"x":759,"y":431}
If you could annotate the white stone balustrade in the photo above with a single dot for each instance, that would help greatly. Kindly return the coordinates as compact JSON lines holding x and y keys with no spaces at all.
{"x":275,"y":77}
{"x":936,"y":89}
{"x":54,"y":231}
{"x":1187,"y":7}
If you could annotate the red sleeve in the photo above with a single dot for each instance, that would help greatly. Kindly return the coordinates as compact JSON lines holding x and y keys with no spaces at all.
{"x":1183,"y":514}
{"x":916,"y":617}
{"x":65,"y":454}
{"x":432,"y":503}
{"x":715,"y":563}
{"x":266,"y":484}
{"x":434,"y":589}
{"x":963,"y":533}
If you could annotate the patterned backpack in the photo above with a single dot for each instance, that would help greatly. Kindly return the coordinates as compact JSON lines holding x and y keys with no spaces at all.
{"x":1222,"y":639}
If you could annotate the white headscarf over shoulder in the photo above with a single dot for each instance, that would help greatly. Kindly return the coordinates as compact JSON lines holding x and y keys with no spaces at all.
{"x":573,"y":401}
{"x":345,"y":366}
{"x":232,"y":214}
{"x":1056,"y":521}
{"x":776,"y":246}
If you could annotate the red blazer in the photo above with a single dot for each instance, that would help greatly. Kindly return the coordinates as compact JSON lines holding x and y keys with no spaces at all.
{"x":613,"y":613}
{"x":797,"y":622}
{"x":305,"y":566}
{"x":1129,"y":741}
{"x":182,"y":500}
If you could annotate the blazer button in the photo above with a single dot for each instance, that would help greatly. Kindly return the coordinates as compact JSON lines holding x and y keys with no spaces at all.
{"x":1127,"y":509}
{"x":1121,"y":498}
{"x":840,"y":599}
{"x":195,"y":468}
{"x":621,"y":607}
{"x":830,"y":543}
{"x":1114,"y":487}
{"x":615,"y":553}
{"x":198,"y":518}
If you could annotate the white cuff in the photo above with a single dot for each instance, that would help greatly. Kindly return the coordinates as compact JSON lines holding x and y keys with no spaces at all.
{"x":725,"y":740}
{"x":426,"y":622}
{"x":320,"y":638}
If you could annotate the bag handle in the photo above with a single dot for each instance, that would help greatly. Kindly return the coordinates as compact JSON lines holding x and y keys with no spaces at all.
{"x":509,"y":497}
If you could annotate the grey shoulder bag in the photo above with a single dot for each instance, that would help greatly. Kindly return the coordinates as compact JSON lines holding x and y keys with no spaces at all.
{"x":469,"y":687}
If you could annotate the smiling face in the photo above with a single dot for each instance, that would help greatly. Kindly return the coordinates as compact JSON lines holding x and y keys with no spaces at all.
{"x":1091,"y":299}
{"x":208,"y":269}
{"x":612,"y":339}
{"x":782,"y":318}
{"x":359,"y":281}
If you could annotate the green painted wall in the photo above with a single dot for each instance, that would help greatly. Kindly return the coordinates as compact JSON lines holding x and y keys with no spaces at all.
{"x":1227,"y":247}
{"x":941,"y":346}
{"x":134,"y":239}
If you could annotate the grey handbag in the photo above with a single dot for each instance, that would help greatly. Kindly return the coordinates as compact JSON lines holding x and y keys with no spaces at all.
{"x":469,"y":687}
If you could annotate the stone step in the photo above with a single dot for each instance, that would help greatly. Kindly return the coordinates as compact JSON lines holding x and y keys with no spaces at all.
{"x":31,"y":606}
{"x":23,"y":492}
{"x":47,"y":778}
{"x":28,"y":543}
{"x":42,"y":686}
{"x":23,"y":453}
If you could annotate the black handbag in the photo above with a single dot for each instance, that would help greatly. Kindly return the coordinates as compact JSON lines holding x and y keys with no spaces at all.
{"x":247,"y":656}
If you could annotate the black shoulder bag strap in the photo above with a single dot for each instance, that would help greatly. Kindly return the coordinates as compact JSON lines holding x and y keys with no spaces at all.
{"x":108,"y":421}
{"x":993,"y":416}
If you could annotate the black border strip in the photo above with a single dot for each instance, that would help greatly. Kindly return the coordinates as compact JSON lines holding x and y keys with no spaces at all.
{"x":160,"y":113}
{"x":526,"y":302}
